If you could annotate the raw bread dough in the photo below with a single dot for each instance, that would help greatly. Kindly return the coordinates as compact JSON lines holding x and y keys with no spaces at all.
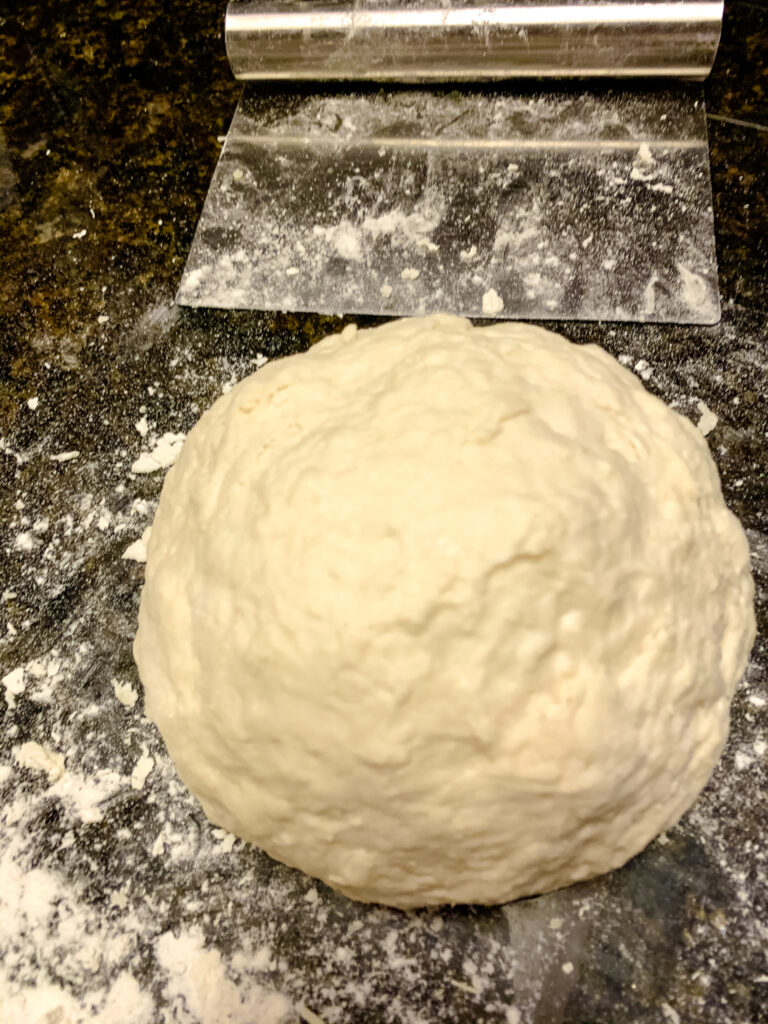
{"x":440,"y":613}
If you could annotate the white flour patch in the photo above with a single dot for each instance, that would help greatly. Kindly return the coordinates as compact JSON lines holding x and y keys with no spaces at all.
{"x":164,"y":453}
{"x":707,"y":419}
{"x":404,"y":228}
{"x":643,"y":166}
{"x":84,"y":797}
{"x":344,"y":239}
{"x":24,"y":541}
{"x":125,"y":693}
{"x":137,"y":552}
{"x":643,"y":369}
{"x":38,"y":758}
{"x":200,"y":988}
{"x":492,"y":302}
{"x":141,"y":772}
{"x":13,"y":683}
{"x":694,"y":288}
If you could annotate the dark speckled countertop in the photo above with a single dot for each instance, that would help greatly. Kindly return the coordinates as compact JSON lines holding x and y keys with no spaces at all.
{"x":119,"y":903}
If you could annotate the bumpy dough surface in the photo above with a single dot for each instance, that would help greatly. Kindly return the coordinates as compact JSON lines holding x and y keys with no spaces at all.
{"x":444,"y":614}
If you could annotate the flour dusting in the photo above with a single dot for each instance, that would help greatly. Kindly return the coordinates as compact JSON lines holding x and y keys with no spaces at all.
{"x":708,"y":420}
{"x":164,"y":453}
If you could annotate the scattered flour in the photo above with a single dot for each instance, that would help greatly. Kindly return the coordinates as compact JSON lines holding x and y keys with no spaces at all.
{"x":14,"y":684}
{"x":344,"y":238}
{"x":643,"y":369}
{"x":24,"y":541}
{"x":85,"y":796}
{"x":163,"y":455}
{"x":643,"y":166}
{"x":694,"y":291}
{"x":125,"y":693}
{"x":707,"y":419}
{"x":137,"y":552}
{"x":648,"y":304}
{"x":492,"y":303}
{"x":200,"y":989}
{"x":38,"y":758}
{"x":670,"y":1013}
{"x":404,"y":228}
{"x":141,"y":772}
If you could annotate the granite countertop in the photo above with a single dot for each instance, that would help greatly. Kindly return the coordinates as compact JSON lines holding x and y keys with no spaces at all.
{"x":118,"y":901}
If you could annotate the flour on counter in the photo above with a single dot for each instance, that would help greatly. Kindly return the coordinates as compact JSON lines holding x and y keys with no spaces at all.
{"x":165,"y":452}
{"x":643,"y":166}
{"x":198,"y":975}
{"x":24,"y":541}
{"x":643,"y":369}
{"x":13,"y":683}
{"x":125,"y":693}
{"x":137,"y":552}
{"x":492,"y":302}
{"x":141,"y":772}
{"x":38,"y":758}
{"x":707,"y":419}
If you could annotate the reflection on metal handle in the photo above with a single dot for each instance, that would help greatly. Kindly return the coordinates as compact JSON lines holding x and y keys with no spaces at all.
{"x":323,"y":40}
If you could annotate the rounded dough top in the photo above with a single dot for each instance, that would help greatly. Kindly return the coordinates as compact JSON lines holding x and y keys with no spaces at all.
{"x":440,"y":613}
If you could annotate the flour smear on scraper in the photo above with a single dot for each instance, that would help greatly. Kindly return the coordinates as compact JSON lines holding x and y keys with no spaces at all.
{"x":439,"y":613}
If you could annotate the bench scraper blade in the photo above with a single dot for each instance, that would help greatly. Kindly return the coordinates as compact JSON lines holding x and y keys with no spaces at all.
{"x":572,"y":204}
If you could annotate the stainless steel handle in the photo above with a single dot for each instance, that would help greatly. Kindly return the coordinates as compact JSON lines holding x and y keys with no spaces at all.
{"x":427,"y":41}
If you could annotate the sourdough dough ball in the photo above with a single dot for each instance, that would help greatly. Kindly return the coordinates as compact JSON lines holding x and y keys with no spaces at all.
{"x":440,"y":613}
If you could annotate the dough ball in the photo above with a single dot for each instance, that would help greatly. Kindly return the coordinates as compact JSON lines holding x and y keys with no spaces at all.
{"x":439,"y":613}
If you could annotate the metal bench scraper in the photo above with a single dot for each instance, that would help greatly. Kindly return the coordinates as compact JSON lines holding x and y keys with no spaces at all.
{"x":518,"y":160}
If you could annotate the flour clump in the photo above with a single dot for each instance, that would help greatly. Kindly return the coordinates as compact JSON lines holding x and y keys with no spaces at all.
{"x":439,"y":613}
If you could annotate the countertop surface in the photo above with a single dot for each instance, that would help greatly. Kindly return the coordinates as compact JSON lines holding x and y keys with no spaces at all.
{"x":118,"y":901}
